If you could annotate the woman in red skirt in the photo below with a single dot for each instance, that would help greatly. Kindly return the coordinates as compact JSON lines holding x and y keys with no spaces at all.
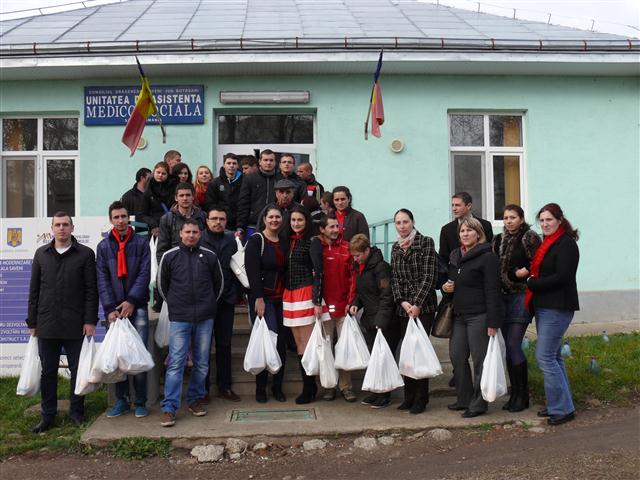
{"x":302,"y":298}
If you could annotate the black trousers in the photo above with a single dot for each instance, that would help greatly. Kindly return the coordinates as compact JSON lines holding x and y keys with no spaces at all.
{"x":222,"y":333}
{"x":274,"y":317}
{"x":469,"y":337}
{"x":50,"y":350}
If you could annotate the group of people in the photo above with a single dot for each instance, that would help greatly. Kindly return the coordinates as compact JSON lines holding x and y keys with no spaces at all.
{"x":308,"y":259}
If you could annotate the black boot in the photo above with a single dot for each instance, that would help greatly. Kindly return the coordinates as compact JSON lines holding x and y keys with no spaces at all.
{"x":309,"y":387}
{"x":421,"y":397}
{"x":512,"y":382}
{"x":409,"y":393}
{"x":521,"y":376}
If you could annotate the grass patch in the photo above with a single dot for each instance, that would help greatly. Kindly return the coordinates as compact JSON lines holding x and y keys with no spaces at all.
{"x":618,"y":381}
{"x":16,"y":424}
{"x":137,"y":448}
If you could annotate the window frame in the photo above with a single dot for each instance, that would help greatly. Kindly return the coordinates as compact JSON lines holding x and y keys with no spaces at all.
{"x":41,"y":156}
{"x":487,"y":152}
{"x":248,"y":148}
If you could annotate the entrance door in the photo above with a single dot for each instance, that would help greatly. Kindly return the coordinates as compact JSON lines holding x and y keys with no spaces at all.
{"x":248,"y":134}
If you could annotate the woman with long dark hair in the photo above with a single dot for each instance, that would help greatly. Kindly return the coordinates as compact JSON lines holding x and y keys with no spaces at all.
{"x":265,"y":258}
{"x":413,"y":281}
{"x":350,"y":220}
{"x":302,"y":296}
{"x":474,"y":283}
{"x":183,"y":173}
{"x":158,"y":198}
{"x":515,"y":248}
{"x":552,"y":296}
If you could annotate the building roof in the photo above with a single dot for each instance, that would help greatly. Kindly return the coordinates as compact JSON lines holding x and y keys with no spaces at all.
{"x":230,"y":37}
{"x":171,"y":20}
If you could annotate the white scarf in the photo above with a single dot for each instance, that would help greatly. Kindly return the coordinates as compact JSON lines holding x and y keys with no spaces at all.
{"x":405,"y":242}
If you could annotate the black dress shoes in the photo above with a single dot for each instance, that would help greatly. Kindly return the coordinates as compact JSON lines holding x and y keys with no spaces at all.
{"x":42,"y":426}
{"x":261,"y":396}
{"x":560,"y":419}
{"x":470,"y":414}
{"x":278,"y":394}
{"x":455,"y":407}
{"x":543,"y":412}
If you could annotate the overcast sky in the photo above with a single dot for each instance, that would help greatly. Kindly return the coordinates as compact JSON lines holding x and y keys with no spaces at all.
{"x":613,"y":16}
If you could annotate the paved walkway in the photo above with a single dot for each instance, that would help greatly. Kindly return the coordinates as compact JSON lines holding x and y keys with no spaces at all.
{"x":332,"y":418}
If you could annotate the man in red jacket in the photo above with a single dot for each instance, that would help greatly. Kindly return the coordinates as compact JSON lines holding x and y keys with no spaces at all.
{"x":338,"y":290}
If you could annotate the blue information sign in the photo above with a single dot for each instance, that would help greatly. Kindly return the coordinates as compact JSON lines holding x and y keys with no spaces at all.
{"x":178,"y":104}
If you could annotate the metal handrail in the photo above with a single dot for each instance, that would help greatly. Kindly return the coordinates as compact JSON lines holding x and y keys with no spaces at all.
{"x":384,"y":244}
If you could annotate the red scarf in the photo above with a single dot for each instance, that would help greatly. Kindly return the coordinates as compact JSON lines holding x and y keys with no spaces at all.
{"x":122,"y":244}
{"x":538,"y":258}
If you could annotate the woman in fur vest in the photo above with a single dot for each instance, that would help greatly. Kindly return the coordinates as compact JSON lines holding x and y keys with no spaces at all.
{"x":515,"y":247}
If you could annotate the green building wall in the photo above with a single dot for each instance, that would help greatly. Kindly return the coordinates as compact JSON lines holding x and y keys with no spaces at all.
{"x":582,"y":148}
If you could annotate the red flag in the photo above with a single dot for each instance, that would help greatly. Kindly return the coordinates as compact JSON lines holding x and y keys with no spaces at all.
{"x":145,"y":107}
{"x":375,"y":104}
{"x":377,"y":111}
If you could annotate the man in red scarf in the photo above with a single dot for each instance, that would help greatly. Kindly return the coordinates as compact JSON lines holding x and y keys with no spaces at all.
{"x":123,"y":264}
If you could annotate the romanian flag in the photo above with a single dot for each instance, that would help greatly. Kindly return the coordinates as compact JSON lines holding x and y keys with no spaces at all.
{"x":376,"y":109}
{"x":145,"y":107}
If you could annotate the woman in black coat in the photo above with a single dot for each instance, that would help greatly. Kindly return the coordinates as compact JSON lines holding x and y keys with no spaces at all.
{"x":158,"y":198}
{"x":264,"y":259}
{"x":515,"y":247}
{"x":350,"y":221}
{"x":474,"y":282}
{"x":375,"y":298}
{"x":413,"y":282}
{"x":552,"y":295}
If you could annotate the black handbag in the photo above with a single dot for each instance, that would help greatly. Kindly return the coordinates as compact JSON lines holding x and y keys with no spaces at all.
{"x":443,"y":322}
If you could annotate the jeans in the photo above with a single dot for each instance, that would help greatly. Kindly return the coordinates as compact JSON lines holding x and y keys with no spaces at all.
{"x":469,"y":337}
{"x":551,"y":325}
{"x":181,"y":335}
{"x":50,"y":349}
{"x":140,"y":320}
{"x":273,"y":317}
{"x":222,"y":333}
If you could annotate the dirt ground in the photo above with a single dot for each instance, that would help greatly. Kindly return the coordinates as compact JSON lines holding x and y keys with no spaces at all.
{"x":601,"y":444}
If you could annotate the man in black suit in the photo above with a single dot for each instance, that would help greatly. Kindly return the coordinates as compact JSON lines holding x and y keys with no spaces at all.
{"x":461,"y":205}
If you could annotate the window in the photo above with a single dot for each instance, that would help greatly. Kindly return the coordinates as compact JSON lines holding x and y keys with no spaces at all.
{"x":486,"y":155}
{"x":39,"y":161}
{"x":249,"y":133}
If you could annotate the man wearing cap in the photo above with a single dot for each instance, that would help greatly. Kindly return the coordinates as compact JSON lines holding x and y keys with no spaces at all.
{"x":284,"y":198}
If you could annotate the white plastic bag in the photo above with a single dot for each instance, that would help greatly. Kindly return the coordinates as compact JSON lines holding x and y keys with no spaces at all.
{"x":273,"y":363}
{"x":133,"y":356}
{"x":161,"y":335}
{"x":87,"y":355}
{"x":328,"y":373}
{"x":255,"y":360}
{"x":310,"y":358}
{"x":31,"y":371}
{"x":418,"y":359}
{"x":107,"y":359}
{"x":351,"y":348}
{"x":237,"y":265}
{"x":382,"y":374}
{"x":153,"y":247}
{"x":97,"y":375}
{"x":493,"y":383}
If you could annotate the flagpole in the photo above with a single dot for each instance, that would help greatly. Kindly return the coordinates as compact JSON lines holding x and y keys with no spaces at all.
{"x":162,"y":129}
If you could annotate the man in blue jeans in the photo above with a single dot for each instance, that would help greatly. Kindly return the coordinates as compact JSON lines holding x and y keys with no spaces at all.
{"x":123,"y":268}
{"x":191,"y":281}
